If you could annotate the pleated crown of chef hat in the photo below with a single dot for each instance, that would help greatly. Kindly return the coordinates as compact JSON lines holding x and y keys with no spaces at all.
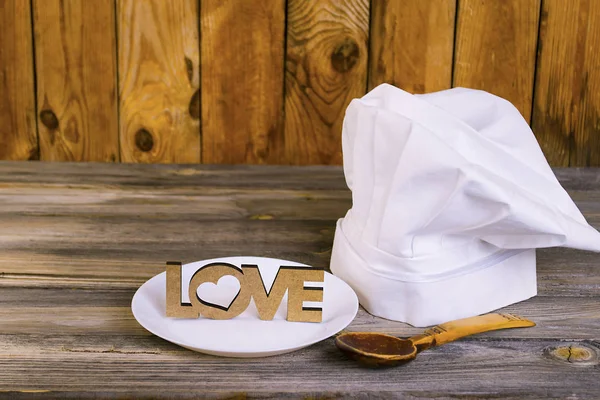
{"x":451,"y":195}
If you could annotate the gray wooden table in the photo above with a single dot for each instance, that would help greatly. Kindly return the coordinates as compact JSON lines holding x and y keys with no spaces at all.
{"x":77,"y":240}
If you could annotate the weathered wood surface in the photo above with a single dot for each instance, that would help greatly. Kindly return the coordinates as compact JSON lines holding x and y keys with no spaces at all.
{"x":159,"y":61}
{"x":496,"y":44}
{"x":268,"y":81}
{"x":77,"y":240}
{"x":325,"y":68}
{"x":412,"y":44}
{"x":567,"y":95}
{"x":76,"y":56}
{"x":243,"y":49}
{"x":18,"y":133}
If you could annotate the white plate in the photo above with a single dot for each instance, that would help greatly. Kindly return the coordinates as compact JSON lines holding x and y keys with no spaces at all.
{"x":245,"y":335}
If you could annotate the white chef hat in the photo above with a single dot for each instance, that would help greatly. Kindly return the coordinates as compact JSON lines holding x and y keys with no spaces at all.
{"x":451,"y":195}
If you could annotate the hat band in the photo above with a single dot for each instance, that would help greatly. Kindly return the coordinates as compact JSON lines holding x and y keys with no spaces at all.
{"x":421,"y":303}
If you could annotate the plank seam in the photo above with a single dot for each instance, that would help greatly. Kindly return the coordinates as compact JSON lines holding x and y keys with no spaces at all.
{"x":453,"y":67}
{"x":199,"y":27}
{"x":117,"y":86}
{"x":37,"y":155}
{"x":536,"y":66}
{"x":369,"y":47}
{"x":282,"y":157}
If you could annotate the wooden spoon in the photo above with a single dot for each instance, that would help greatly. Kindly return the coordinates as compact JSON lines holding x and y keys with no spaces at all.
{"x":380,"y":350}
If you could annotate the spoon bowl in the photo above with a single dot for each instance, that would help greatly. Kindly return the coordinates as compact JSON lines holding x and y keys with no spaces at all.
{"x":376,"y":349}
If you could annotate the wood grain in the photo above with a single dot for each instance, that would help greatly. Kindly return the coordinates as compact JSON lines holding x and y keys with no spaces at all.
{"x":192,"y":176}
{"x":18,"y":132}
{"x":496,"y":48}
{"x":412,"y":44}
{"x":572,"y":318}
{"x":242,"y":81}
{"x":134,"y":366}
{"x":157,"y":176}
{"x":202,"y":203}
{"x":75,"y":48}
{"x":566,"y":114}
{"x":159,"y":81}
{"x":78,"y":239}
{"x":326,"y":67}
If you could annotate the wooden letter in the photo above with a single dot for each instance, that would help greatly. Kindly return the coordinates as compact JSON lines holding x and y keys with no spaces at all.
{"x":298,"y":294}
{"x":175,"y":307}
{"x":266,"y":303}
{"x":290,"y":279}
{"x":212,"y":273}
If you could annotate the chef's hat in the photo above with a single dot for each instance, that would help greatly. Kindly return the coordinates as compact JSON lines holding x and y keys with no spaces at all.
{"x":451,"y":195}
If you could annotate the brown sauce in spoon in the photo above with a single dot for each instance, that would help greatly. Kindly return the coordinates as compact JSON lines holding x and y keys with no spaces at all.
{"x":380,"y":344}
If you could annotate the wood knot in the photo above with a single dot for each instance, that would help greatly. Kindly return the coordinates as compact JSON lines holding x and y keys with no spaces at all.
{"x":194,"y":107}
{"x":144,"y":140}
{"x":574,"y":353}
{"x":48,"y":119}
{"x":189,"y":68}
{"x":345,"y":56}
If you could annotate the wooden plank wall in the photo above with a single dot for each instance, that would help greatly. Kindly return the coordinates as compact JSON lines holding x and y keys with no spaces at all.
{"x":267,"y":82}
{"x":76,"y":80}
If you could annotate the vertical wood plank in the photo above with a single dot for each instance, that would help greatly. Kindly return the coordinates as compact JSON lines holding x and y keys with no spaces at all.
{"x":242,"y":50}
{"x":75,"y":49}
{"x":496,"y":47}
{"x":158,"y":81}
{"x":326,"y":67}
{"x":18,"y":136}
{"x":412,"y":44}
{"x":566,"y":114}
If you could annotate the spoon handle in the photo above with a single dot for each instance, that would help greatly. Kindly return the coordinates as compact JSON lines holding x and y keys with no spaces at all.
{"x":453,"y":330}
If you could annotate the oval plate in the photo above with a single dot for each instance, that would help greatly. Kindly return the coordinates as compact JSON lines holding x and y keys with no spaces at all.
{"x":245,"y":335}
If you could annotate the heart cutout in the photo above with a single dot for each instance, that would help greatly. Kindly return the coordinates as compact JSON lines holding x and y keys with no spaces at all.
{"x":220,"y":295}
